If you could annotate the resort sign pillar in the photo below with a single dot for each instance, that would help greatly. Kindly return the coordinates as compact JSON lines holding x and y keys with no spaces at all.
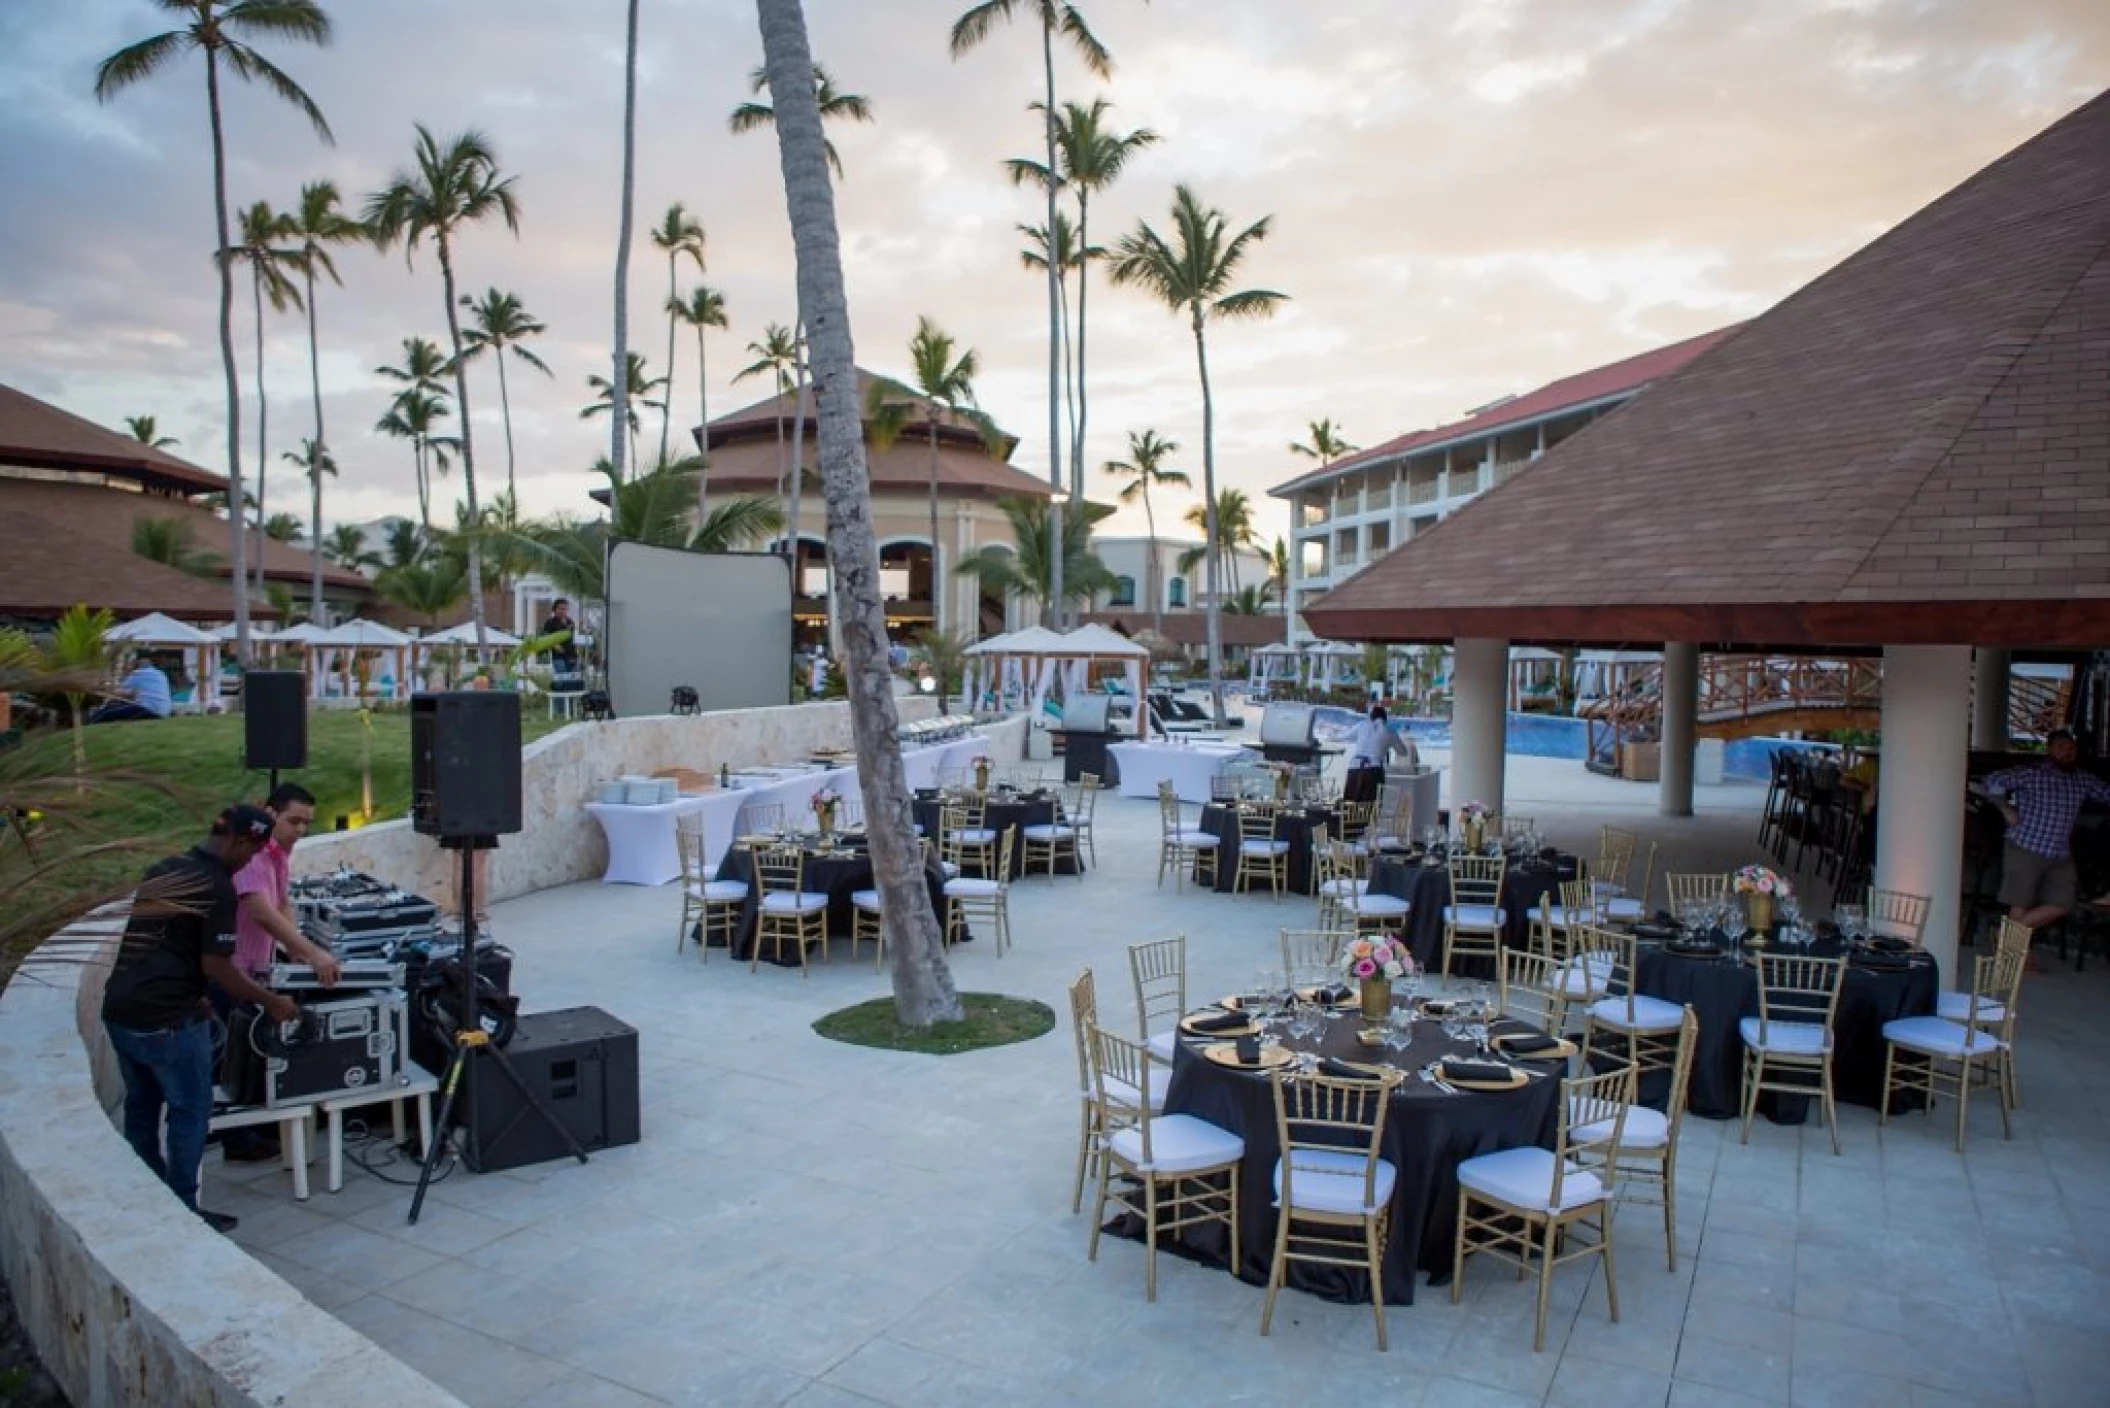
{"x":1479,"y":690}
{"x":1919,"y":843}
{"x":1989,"y":700}
{"x":1681,"y":727}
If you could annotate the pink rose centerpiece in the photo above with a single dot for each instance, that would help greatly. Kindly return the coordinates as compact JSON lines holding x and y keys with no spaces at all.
{"x":1760,"y":887}
{"x":1372,"y":963}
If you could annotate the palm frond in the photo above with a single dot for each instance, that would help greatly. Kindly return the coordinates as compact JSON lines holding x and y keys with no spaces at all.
{"x":254,"y":66}
{"x":138,"y":61}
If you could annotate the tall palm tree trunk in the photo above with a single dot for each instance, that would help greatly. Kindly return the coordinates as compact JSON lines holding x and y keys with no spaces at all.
{"x":798,"y":442}
{"x":619,"y":378}
{"x":1153,"y":578}
{"x":1055,"y":518}
{"x":505,"y":410}
{"x":1214,"y":615}
{"x":666,"y":416}
{"x":417,"y":452}
{"x":703,"y":424}
{"x":923,"y":986}
{"x":263,"y":416}
{"x":237,"y":554}
{"x":1084,"y":265}
{"x":937,"y":590}
{"x":461,"y":397}
{"x":316,"y":459}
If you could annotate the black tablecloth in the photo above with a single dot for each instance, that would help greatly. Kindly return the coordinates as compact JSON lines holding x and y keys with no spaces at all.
{"x":836,"y":875}
{"x":1000,"y":812}
{"x":1723,"y":990}
{"x":1294,"y":827}
{"x":1427,"y":1134}
{"x":1428,"y":889}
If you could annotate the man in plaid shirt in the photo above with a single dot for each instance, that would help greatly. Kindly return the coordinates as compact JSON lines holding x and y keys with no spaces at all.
{"x":2037,"y":881}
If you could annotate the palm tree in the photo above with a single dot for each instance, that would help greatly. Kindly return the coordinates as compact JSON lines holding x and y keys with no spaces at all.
{"x":1326,"y":443}
{"x":502,"y":324}
{"x":270,"y":277}
{"x":1278,"y":572}
{"x":704,"y":308}
{"x":405,"y":543}
{"x":619,"y":349}
{"x":1191,"y":273}
{"x":431,"y":588}
{"x":1231,"y":529}
{"x":169,"y":541}
{"x":923,"y":987}
{"x":347,"y":548}
{"x":1032,"y":572}
{"x":316,"y":462}
{"x":283,"y":527}
{"x":638,"y":386}
{"x":778,"y":354}
{"x":946,"y":383}
{"x":833,"y":103}
{"x":318,"y":224}
{"x":218,"y":29}
{"x":1248,"y":601}
{"x":1144,"y":469}
{"x":1068,"y":255}
{"x":145,"y":432}
{"x":679,"y":235}
{"x":415,"y":416}
{"x":451,"y":187}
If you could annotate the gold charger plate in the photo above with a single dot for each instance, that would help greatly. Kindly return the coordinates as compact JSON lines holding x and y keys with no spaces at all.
{"x":1503,"y":1040}
{"x":755,"y":840}
{"x":1219,"y":1033}
{"x":1225,"y":1054}
{"x":1516,"y":1079}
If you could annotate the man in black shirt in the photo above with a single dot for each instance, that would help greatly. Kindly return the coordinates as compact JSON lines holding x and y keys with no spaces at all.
{"x":181,"y":936}
{"x":564,"y":655}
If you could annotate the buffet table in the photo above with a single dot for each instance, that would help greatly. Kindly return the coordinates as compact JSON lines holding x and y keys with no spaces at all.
{"x":1189,"y":767}
{"x":641,"y":849}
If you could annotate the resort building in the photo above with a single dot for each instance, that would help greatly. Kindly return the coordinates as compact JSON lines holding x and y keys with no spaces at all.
{"x":1351,"y":513}
{"x":1178,"y":589}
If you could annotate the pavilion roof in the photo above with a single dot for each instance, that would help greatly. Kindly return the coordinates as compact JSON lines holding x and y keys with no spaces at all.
{"x":1914,"y":448}
{"x":38,"y":435}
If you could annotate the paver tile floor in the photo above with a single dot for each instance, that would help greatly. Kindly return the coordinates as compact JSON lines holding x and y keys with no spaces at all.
{"x":817,"y":1224}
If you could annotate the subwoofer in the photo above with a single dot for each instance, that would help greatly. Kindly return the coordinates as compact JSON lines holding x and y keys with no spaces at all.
{"x":274,"y":720}
{"x":465,"y":763}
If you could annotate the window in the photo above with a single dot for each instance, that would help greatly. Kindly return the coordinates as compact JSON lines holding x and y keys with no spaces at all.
{"x":1124,"y":591}
{"x":1176,"y":591}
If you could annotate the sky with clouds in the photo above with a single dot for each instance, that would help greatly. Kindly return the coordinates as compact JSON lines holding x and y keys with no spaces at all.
{"x":1466,"y":199}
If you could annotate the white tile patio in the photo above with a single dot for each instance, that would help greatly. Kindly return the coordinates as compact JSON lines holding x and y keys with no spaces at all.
{"x":810,"y":1223}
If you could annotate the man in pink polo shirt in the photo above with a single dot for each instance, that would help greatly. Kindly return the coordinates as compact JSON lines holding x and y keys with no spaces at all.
{"x":264,"y":925}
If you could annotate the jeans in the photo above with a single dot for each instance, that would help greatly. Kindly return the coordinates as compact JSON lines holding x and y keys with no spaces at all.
{"x":170,"y":1068}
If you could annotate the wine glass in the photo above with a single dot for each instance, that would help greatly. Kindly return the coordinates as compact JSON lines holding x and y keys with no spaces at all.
{"x":1476,"y":1033}
{"x":1853,"y":921}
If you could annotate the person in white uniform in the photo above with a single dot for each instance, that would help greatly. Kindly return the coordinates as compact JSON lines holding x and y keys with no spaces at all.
{"x":1369,"y":749}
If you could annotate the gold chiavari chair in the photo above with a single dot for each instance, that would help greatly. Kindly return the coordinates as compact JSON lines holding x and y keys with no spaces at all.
{"x":1788,"y":1046}
{"x":1049,"y":841}
{"x":1524,"y":988}
{"x":1646,"y":1154}
{"x":715,"y":903}
{"x":1159,"y":971}
{"x":868,"y":914}
{"x":1333,"y":1189}
{"x":1988,"y":1012}
{"x":1474,"y":919}
{"x":1691,"y":889}
{"x":1391,"y":826}
{"x":1893,"y":914}
{"x":1082,"y":805}
{"x":1261,"y":853}
{"x":988,"y":896}
{"x":1944,"y":1056}
{"x":1512,"y":828}
{"x":1084,"y":1016}
{"x":969,"y":844}
{"x":1355,"y":819}
{"x":1616,"y":849}
{"x":1310,"y":948}
{"x":1526,"y":1205}
{"x":1353,"y":902}
{"x":1643,"y":1026}
{"x":1181,"y":846}
{"x":1173,"y":1171}
{"x":787,"y":911}
{"x":1552,"y":921}
{"x":1632,"y":906}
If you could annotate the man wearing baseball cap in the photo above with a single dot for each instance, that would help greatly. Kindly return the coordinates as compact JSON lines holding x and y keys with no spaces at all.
{"x":180,"y":937}
{"x":2037,"y":879}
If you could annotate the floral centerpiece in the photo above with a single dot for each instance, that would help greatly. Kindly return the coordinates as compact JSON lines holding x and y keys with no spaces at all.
{"x":1282,"y":773}
{"x":1372,"y":963}
{"x":981,"y":772}
{"x":825,"y":802}
{"x":1760,"y":888}
{"x":1472,"y":820}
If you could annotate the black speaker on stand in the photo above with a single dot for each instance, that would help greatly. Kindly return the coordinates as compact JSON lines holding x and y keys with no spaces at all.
{"x":274,"y":721}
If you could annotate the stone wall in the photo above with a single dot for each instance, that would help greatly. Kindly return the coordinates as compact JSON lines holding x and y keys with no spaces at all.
{"x":129,"y":1298}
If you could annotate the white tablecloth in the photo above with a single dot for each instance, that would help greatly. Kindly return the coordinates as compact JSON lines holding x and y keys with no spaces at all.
{"x":1188,"y":766}
{"x":641,"y":849}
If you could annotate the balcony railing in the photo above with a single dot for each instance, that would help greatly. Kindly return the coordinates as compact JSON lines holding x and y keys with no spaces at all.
{"x":1461,"y":481}
{"x":1509,"y":469}
{"x":1423,"y":491}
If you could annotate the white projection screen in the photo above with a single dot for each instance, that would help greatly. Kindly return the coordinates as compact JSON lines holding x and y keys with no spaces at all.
{"x":719,"y":622}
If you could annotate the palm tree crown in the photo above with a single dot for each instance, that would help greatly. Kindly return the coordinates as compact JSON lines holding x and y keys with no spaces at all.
{"x":1144,"y":469}
{"x":147,"y":433}
{"x":833,"y":103}
{"x":679,"y":236}
{"x":501,"y":324}
{"x":1325,"y":443}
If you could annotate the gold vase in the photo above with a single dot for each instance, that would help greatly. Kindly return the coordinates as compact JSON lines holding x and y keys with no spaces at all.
{"x":1281,"y":786}
{"x":826,"y":814}
{"x":1475,"y":835}
{"x":1758,"y":909}
{"x":981,"y":777}
{"x":1377,"y":999}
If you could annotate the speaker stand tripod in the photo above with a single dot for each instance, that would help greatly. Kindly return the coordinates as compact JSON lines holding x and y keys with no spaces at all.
{"x":471,"y":1042}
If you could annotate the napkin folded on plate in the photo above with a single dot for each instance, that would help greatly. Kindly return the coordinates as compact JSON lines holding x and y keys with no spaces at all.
{"x":1528,"y":1043}
{"x":1489,"y":1072}
{"x":1330,"y":995}
{"x":1436,"y":1009}
{"x":1342,"y":1070}
{"x":1658,"y":933}
{"x":1216,"y":1022}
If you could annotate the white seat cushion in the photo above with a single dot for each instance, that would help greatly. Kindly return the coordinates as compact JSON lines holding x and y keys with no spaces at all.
{"x":1178,"y":1144}
{"x":785,"y":902}
{"x":1787,"y":1038}
{"x":1049,"y":833}
{"x":1263,"y":848}
{"x":947,"y":869}
{"x":1370,"y":845}
{"x":867,"y":900}
{"x":1579,"y":980}
{"x":1196,"y":840}
{"x":1624,"y":911}
{"x":1645,"y":1129}
{"x":975,"y":836}
{"x":1651,"y":1014}
{"x":968,"y":887}
{"x":1474,"y":916}
{"x":1557,"y":915}
{"x":1161,"y":1047}
{"x":1343,"y":886}
{"x":1956,"y":1006}
{"x":1330,"y":1180}
{"x":719,"y":891}
{"x":1160,"y":1082}
{"x":1377,"y":906}
{"x":1523,"y":1178}
{"x":1937,"y":1036}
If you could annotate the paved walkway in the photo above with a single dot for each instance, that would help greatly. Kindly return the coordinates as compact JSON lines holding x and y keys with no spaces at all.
{"x":811,"y":1223}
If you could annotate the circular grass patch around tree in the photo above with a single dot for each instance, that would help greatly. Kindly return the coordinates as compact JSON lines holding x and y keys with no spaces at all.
{"x":992,"y":1020}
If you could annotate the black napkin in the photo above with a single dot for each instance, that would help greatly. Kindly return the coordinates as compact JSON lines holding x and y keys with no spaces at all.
{"x":1658,"y":933}
{"x":1436,"y":1009}
{"x":1488,"y":1072}
{"x":1216,"y":1022}
{"x":1882,"y":962}
{"x":1528,"y":1043}
{"x":1694,"y":948}
{"x":1341,"y":1070}
{"x":1248,"y":1049}
{"x":1331,"y":995}
{"x":1884,"y":943}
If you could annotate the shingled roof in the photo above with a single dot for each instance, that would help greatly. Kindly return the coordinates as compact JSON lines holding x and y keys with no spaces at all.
{"x":38,"y":435}
{"x":1914,"y":448}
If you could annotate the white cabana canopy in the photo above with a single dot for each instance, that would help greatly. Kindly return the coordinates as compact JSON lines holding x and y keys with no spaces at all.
{"x":465,"y":634}
{"x":362,"y":635}
{"x":157,"y":629}
{"x":301,"y":634}
{"x":1098,"y":640}
{"x":333,"y":657}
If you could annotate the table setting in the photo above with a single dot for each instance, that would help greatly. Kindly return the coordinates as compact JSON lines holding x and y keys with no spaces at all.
{"x":1293,"y":822}
{"x":836,"y":865}
{"x":1421,"y":876}
{"x":1003,"y":807}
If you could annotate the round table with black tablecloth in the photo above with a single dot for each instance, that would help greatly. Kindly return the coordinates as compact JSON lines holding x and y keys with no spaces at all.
{"x":1723,"y":990}
{"x":1427,"y":889}
{"x":1002,"y":810}
{"x":1428,"y":1133}
{"x":1293,"y":825}
{"x":838,"y":874}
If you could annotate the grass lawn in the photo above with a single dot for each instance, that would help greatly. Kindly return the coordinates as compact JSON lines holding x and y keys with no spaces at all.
{"x":992,"y":1020}
{"x":195,"y":767}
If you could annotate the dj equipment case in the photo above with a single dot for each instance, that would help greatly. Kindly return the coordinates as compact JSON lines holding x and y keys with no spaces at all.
{"x":336,"y":1047}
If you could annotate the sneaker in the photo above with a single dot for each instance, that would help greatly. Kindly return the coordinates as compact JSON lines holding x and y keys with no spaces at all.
{"x":221,"y":1222}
